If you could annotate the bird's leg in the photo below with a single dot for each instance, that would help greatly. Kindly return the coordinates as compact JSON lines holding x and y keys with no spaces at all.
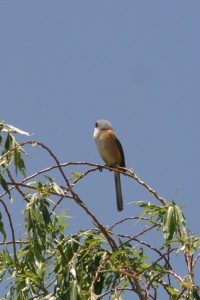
{"x":100,"y":169}
{"x":112,"y":165}
{"x":106,"y":165}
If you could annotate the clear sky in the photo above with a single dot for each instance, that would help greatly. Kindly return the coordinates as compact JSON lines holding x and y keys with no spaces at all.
{"x":65,"y":64}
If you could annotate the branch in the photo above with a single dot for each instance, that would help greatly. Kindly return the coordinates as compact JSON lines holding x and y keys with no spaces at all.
{"x":124,"y":171}
{"x":195,"y":260}
{"x":12,"y":231}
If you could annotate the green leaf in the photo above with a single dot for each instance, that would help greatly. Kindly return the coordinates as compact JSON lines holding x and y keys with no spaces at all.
{"x":58,"y":190}
{"x":46,"y":215}
{"x":9,"y":143}
{"x":172,"y":291}
{"x":19,"y":163}
{"x":64,"y":224}
{"x":116,"y":253}
{"x":31,"y":276}
{"x":1,"y":125}
{"x":182,"y":221}
{"x":76,"y":175}
{"x":2,"y":230}
{"x":4,"y":185}
{"x":21,"y":166}
{"x":17,"y":130}
{"x":49,"y":178}
{"x":195,"y":294}
{"x":1,"y":140}
{"x":168,"y":225}
{"x":27,"y":219}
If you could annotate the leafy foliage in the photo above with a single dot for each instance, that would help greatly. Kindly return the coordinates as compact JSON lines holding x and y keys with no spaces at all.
{"x":49,"y":263}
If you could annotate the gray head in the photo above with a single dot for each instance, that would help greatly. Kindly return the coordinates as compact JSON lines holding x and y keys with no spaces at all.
{"x":103,"y":125}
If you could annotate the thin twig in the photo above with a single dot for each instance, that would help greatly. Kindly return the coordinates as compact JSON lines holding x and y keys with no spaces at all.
{"x":12,"y":231}
{"x":124,"y":171}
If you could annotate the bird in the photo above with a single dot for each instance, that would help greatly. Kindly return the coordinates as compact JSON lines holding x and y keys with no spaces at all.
{"x":111,"y":151}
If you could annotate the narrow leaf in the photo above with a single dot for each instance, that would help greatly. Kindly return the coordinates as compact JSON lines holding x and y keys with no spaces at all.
{"x":17,"y":130}
{"x":4,"y":185}
{"x":2,"y":230}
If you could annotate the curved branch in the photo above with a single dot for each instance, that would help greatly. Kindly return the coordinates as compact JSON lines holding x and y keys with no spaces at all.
{"x":12,"y":231}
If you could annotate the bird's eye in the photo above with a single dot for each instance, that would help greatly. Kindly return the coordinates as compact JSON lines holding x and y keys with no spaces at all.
{"x":96,"y":124}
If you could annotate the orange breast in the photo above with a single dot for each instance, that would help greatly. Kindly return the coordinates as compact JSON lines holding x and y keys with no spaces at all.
{"x":108,"y":148}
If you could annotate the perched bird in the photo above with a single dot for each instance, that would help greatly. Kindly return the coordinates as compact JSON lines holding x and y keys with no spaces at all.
{"x":111,"y":151}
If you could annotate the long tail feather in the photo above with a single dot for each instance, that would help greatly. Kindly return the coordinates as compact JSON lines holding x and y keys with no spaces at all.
{"x":118,"y":191}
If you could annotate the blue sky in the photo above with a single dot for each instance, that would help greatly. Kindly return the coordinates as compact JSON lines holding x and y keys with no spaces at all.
{"x":65,"y":64}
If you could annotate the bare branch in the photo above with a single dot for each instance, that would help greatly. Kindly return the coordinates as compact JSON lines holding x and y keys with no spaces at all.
{"x":12,"y":231}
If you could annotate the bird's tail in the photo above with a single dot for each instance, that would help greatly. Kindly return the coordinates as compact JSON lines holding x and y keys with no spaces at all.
{"x":118,"y":191}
